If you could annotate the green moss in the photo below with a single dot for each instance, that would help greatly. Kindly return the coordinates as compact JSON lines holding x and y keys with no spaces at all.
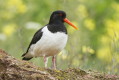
{"x":70,"y":73}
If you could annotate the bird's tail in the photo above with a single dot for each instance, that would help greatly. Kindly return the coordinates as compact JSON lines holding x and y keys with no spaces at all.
{"x":26,"y":58}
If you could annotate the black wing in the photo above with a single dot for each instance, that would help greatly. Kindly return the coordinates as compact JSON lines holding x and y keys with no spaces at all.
{"x":37,"y":36}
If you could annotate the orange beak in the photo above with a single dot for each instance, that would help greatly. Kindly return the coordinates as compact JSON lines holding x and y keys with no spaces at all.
{"x":67,"y":21}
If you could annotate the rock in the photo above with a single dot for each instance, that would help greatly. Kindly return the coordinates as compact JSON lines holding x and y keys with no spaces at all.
{"x":14,"y":69}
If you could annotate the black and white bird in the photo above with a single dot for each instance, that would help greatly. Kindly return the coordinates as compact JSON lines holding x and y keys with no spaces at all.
{"x":50,"y":39}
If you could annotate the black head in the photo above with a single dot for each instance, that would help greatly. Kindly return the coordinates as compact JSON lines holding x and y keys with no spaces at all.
{"x":57,"y":16}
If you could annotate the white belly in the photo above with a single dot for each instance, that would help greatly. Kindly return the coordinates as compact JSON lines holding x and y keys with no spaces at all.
{"x":50,"y":43}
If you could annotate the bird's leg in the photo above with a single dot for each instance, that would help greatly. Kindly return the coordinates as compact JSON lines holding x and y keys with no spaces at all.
{"x":45,"y":61}
{"x":54,"y":62}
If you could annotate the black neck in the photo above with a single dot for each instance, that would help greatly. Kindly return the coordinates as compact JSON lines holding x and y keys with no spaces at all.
{"x":57,"y":26}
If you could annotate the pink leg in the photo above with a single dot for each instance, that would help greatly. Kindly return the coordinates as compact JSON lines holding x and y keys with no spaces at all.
{"x":45,"y":61}
{"x":54,"y":62}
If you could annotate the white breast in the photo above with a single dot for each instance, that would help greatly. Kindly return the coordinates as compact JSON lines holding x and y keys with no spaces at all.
{"x":50,"y":43}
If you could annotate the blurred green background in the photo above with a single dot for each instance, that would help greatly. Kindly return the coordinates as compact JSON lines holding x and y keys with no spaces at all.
{"x":94,"y":47}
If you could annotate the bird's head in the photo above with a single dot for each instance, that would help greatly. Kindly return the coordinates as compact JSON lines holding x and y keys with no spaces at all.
{"x":60,"y":16}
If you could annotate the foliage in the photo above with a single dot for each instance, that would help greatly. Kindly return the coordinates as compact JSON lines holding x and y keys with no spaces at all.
{"x":95,"y":46}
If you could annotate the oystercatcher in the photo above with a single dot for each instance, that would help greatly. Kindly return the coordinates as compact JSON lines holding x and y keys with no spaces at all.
{"x":50,"y":39}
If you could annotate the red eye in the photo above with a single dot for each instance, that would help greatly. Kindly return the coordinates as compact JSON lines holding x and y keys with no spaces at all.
{"x":60,"y":14}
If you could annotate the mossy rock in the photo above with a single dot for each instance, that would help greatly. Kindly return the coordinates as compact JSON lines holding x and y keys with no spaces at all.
{"x":14,"y":69}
